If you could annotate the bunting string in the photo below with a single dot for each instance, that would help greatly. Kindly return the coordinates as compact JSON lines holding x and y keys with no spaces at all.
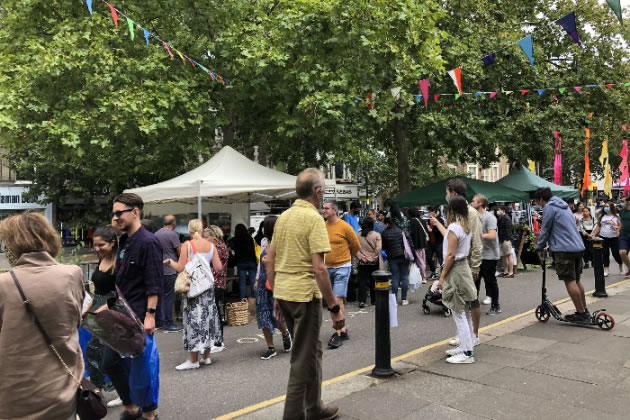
{"x":132,"y":25}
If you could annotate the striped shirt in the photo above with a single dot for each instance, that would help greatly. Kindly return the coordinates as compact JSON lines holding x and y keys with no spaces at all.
{"x":299,"y":232}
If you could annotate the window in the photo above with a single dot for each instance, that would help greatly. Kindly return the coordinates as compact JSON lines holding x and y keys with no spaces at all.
{"x":486,"y":175}
{"x":495,"y":172}
{"x":473,"y":171}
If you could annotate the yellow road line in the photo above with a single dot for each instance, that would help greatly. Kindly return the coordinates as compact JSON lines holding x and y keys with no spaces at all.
{"x":415,"y":352}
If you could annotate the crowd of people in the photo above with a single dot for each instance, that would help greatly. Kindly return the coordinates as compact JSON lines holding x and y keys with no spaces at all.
{"x":307,"y":254}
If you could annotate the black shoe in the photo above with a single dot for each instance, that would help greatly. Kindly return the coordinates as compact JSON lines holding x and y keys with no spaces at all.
{"x":131,"y":416}
{"x":494,"y":310}
{"x":269,"y":354}
{"x":154,"y":418}
{"x":579,"y":317}
{"x":329,"y":413}
{"x":335,"y":341}
{"x":172,"y":328}
{"x":345,"y":336}
{"x":287,"y":343}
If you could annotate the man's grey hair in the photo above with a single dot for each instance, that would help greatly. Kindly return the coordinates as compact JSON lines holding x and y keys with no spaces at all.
{"x":333,"y":204}
{"x":307,"y":181}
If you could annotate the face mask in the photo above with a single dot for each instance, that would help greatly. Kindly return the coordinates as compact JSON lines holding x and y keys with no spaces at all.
{"x":606,"y":210}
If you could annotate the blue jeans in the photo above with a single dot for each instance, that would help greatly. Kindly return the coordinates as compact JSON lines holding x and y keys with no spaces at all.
{"x":339,"y":278}
{"x":399,"y":267}
{"x":247,"y":270}
{"x":168,"y":299}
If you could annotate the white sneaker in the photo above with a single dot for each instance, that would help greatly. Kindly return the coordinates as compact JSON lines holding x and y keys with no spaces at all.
{"x":476,"y":341}
{"x":487,"y":300}
{"x":605,"y":273}
{"x":454,"y":342}
{"x":115,"y":403}
{"x":461,"y":358}
{"x":205,"y":361}
{"x":187,"y":365}
{"x":453,"y":352}
{"x":217,"y":349}
{"x":405,"y":302}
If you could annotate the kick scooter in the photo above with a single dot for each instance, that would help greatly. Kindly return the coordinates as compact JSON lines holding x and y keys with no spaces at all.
{"x":603,"y":320}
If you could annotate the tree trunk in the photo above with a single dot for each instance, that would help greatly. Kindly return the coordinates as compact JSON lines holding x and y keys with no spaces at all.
{"x":228,"y":135}
{"x":402,"y":155}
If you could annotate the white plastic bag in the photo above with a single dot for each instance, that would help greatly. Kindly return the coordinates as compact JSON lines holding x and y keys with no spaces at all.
{"x":393,"y":311}
{"x":415,"y":279}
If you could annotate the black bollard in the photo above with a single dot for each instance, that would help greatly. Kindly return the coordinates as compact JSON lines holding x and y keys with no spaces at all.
{"x":383,"y":354}
{"x":598,"y":268}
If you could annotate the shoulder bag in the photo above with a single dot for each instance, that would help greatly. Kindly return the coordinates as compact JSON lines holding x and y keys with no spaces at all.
{"x":182,"y":282}
{"x":426,"y":234}
{"x":90,"y":404}
{"x":201,"y":278}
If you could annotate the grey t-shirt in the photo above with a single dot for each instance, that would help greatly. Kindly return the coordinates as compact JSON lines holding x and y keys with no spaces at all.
{"x":170,"y":242}
{"x":490,"y":248}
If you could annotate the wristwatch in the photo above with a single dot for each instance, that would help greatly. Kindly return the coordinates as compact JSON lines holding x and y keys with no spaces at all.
{"x":151,"y":311}
{"x":335,"y":309}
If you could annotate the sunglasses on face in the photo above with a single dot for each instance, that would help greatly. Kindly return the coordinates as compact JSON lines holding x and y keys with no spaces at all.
{"x":119,"y":213}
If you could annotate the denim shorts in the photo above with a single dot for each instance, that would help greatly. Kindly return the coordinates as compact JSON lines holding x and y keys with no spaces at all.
{"x":339,"y":277}
{"x":624,"y":242}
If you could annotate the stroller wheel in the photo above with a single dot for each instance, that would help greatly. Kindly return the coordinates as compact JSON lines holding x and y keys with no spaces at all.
{"x":447,"y":312}
{"x":542,"y":314}
{"x":426,"y":310}
{"x":605,"y":321}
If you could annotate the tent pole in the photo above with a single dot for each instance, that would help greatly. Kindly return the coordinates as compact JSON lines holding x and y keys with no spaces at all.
{"x":199,"y":203}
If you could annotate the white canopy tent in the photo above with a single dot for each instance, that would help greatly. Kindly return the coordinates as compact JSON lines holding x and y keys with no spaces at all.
{"x":228,"y":182}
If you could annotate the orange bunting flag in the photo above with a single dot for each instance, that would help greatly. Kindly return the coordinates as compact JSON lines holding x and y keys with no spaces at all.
{"x":456,"y":75}
{"x":114,"y":14}
{"x":586,"y":182}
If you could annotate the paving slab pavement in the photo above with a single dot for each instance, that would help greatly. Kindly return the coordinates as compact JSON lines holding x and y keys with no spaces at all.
{"x":523,"y":369}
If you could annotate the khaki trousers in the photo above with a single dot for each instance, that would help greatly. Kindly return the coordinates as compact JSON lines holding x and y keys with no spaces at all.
{"x":304,"y":320}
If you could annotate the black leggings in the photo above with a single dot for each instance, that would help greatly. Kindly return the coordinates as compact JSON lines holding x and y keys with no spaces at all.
{"x":611,"y":244}
{"x":366,"y":281}
{"x":588,"y":250}
{"x":218,"y":298}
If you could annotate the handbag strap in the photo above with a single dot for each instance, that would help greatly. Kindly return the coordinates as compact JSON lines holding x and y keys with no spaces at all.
{"x":422,"y":226}
{"x":29,"y":309}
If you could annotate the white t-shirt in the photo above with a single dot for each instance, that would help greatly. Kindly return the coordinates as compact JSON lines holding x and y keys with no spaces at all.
{"x":606,"y":230}
{"x":463,"y":241}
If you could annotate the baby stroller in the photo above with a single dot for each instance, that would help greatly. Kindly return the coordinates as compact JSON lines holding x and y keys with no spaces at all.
{"x":435,"y":297}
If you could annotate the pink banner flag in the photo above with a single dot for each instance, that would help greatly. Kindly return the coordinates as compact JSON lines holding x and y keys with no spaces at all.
{"x":578,"y":88}
{"x":623,"y":168}
{"x":424,"y":90}
{"x":492,"y":94}
{"x":167,"y":49}
{"x":114,"y":14}
{"x":557,"y":163}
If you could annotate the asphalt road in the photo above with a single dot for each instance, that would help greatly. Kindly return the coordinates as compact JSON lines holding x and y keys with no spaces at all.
{"x":238,"y":377}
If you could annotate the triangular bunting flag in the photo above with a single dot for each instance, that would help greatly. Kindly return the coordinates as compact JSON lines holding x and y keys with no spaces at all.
{"x":492,"y":94}
{"x":89,"y":5}
{"x":478,"y":93}
{"x":568,"y":23}
{"x":588,"y":133}
{"x":615,"y":5}
{"x":577,"y":88}
{"x":417,"y":98}
{"x":626,"y":84}
{"x":457,"y":96}
{"x":370,"y":97}
{"x":509,"y":92}
{"x":555,"y":97}
{"x":623,"y":127}
{"x":527,"y":45}
{"x":524,"y":92}
{"x":167,"y":49}
{"x":190,"y":61}
{"x":396,"y":92}
{"x":114,"y":14}
{"x":435,"y":98}
{"x":561,"y":90}
{"x":609,"y":86}
{"x":541,"y":91}
{"x":146,"y":36}
{"x":179,"y":54}
{"x":456,"y":75}
{"x":424,"y":90}
{"x":488,"y":59}
{"x":130,"y":24}
{"x":531,"y":165}
{"x":355,"y":100}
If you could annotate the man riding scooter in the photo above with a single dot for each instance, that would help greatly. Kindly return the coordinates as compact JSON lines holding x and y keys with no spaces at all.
{"x":561,"y":233}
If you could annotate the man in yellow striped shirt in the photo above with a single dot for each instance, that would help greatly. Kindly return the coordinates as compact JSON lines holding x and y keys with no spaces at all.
{"x":298,"y":276}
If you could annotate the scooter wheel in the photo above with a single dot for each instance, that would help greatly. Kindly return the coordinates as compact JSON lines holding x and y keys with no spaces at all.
{"x":447,"y":313}
{"x":426,"y":310}
{"x":605,"y":321}
{"x":541,"y":314}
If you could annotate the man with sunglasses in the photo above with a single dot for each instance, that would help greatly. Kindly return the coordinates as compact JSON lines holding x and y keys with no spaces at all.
{"x":139,"y":274}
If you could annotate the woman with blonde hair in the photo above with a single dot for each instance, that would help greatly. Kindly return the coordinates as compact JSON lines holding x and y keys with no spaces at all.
{"x":35,"y":384}
{"x":456,"y":281}
{"x":201,"y":318}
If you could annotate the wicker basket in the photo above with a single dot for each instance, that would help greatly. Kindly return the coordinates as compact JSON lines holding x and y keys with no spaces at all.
{"x":237,"y":313}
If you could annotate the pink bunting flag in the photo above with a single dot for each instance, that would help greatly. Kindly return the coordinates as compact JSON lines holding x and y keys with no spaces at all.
{"x":424,"y":90}
{"x":492,"y":94}
{"x":114,"y":14}
{"x":623,"y":127}
{"x":167,"y":49}
{"x":555,"y":97}
{"x":435,"y":98}
{"x":578,"y":88}
{"x":524,"y":92}
{"x":557,"y":163}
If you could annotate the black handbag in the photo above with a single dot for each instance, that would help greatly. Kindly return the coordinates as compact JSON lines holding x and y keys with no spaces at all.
{"x":90,"y":404}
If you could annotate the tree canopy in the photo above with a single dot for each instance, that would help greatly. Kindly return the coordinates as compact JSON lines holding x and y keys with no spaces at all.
{"x":86,"y":112}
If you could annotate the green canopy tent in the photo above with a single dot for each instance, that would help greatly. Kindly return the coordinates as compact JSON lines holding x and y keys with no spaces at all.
{"x":522,"y":179}
{"x":434,"y":194}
